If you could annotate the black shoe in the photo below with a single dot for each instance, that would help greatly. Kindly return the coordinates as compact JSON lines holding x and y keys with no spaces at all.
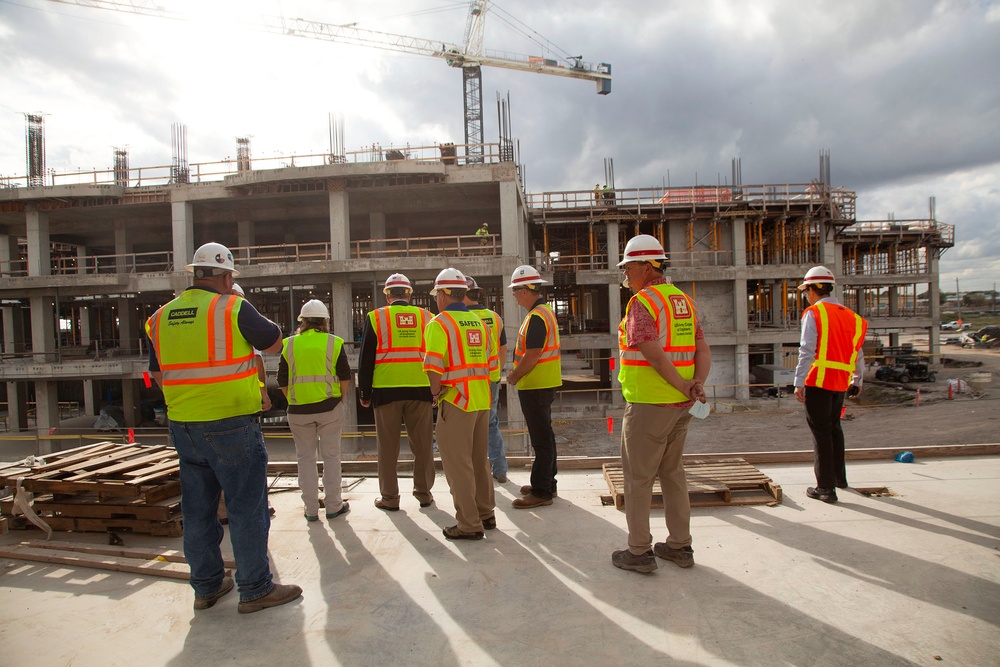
{"x":826,"y":495}
{"x":626,"y":560}
{"x":683,"y":557}
{"x":841,"y":484}
{"x":490,"y":523}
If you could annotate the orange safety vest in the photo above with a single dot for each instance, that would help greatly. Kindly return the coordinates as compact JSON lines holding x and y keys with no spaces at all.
{"x":209,"y":372}
{"x":840,"y":332}
{"x":399,"y":352}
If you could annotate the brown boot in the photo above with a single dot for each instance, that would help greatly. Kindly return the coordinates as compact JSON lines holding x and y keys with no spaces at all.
{"x":279,"y":595}
{"x":529,"y":501}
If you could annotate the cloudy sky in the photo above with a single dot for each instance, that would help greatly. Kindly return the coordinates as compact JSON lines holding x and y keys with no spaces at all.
{"x":905,"y":94}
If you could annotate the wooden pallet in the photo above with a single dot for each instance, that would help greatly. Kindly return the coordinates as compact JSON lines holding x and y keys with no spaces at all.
{"x":711,"y":483}
{"x":100,"y":487}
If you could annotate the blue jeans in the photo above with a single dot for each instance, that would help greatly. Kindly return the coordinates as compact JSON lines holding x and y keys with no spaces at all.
{"x":498,"y":459}
{"x":536,"y":405}
{"x":225,"y":455}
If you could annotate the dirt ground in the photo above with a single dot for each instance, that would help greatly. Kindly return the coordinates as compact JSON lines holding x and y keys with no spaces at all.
{"x":886,"y":415}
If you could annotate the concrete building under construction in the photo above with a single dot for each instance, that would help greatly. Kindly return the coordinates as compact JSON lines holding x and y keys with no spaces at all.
{"x":86,"y":258}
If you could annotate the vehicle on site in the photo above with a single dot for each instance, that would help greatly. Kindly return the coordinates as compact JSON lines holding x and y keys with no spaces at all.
{"x":906,"y":370}
{"x":955,"y":325}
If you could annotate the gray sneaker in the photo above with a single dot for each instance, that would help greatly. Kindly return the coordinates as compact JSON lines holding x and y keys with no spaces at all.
{"x":626,"y":560}
{"x":684,"y":557}
{"x":280,"y":594}
{"x":209,"y":601}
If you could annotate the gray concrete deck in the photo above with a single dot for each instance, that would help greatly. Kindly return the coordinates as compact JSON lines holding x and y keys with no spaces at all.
{"x":869,"y":581}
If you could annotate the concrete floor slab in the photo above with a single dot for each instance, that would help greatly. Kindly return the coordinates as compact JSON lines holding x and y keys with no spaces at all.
{"x":869,"y":581}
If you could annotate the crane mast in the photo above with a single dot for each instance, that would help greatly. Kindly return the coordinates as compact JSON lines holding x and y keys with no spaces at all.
{"x":469,"y":57}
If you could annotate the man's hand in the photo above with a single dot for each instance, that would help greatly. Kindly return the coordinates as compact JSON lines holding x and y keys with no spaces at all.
{"x":265,"y":400}
{"x":364,"y":403}
{"x":853,"y":391}
{"x":800,"y":394}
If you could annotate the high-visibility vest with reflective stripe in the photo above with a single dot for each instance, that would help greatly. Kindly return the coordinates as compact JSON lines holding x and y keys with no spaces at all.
{"x":209,"y":372}
{"x":461,"y":356}
{"x":840,"y":333}
{"x":494,"y":323}
{"x":547,"y":372}
{"x":676,"y":323}
{"x":399,"y":352}
{"x":312,"y":366}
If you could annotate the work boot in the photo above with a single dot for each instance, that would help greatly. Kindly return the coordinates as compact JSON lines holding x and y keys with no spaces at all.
{"x":529,"y":501}
{"x":526,"y":491}
{"x":684,"y":557}
{"x":210,"y":600}
{"x":626,"y":560}
{"x":826,"y":495}
{"x":279,"y":595}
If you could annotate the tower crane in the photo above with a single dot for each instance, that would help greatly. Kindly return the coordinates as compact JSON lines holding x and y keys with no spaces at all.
{"x":468,"y":57}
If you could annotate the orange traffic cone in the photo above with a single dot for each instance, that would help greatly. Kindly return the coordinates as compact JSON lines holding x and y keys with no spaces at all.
{"x":951,"y":391}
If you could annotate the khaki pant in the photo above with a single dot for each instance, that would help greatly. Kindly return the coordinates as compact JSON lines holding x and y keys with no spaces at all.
{"x":463,"y":439}
{"x":652,"y":445}
{"x":320,"y":433}
{"x":418,"y":416}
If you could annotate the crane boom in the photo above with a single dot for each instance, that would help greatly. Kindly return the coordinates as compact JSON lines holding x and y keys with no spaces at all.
{"x":469,"y":59}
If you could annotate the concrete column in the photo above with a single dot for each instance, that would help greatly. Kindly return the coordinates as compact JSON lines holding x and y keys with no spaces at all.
{"x":85,"y":315}
{"x":182,"y":225}
{"x":829,"y":251}
{"x":342,"y":320}
{"x":123,"y":246}
{"x":89,"y":404}
{"x":740,"y":319}
{"x":13,"y":330}
{"x":81,"y":259}
{"x":43,"y":331}
{"x":46,"y":412}
{"x":8,"y":253}
{"x":340,"y":222}
{"x":39,"y":253}
{"x":127,"y":342}
{"x":893,"y":301}
{"x":130,"y":403}
{"x":739,"y":241}
{"x":513,"y":233}
{"x":614,"y":308}
{"x":742,"y":372}
{"x":934,"y":306}
{"x":677,"y":250}
{"x":376,"y":229}
{"x":17,"y":406}
{"x":246,"y":238}
{"x":513,"y":315}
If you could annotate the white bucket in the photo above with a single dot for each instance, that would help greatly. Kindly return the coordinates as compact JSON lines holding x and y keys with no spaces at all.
{"x":979,"y":381}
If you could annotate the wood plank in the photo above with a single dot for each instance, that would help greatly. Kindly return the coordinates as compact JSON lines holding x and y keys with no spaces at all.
{"x":157,"y":472}
{"x":169,"y":555}
{"x":123,"y":451}
{"x":173,"y":528}
{"x":155,"y":568}
{"x":711,"y":483}
{"x":131,"y":464}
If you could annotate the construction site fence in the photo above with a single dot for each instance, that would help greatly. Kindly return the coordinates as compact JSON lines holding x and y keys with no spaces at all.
{"x":208,"y":172}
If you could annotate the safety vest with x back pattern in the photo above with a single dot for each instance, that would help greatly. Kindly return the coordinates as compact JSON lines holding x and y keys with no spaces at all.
{"x":840,"y":333}
{"x":458,"y":348}
{"x":399,"y":354}
{"x":312,"y":366}
{"x":547,"y":372}
{"x":676,"y":323}
{"x":209,"y":372}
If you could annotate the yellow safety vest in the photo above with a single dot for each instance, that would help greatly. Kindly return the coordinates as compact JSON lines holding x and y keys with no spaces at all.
{"x":208,"y":367}
{"x":312,"y":366}
{"x":547,"y":372}
{"x":676,"y":323}
{"x":399,"y":353}
{"x":458,"y":348}
{"x":840,"y":333}
{"x":494,"y":323}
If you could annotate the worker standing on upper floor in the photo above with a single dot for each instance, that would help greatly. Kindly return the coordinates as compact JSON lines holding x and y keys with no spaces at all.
{"x":392,"y":381}
{"x":201,"y":355}
{"x":484,"y":236}
{"x":537,"y":373}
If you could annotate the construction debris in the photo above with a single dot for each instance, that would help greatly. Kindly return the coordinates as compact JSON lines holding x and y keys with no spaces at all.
{"x":711,"y":482}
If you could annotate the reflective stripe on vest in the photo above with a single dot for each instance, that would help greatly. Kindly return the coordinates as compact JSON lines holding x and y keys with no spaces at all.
{"x":312,"y":366}
{"x":464,"y":364}
{"x":840,"y":333}
{"x":547,"y":372}
{"x":208,"y":368}
{"x":673,"y":313}
{"x":494,"y":324}
{"x":400,"y":347}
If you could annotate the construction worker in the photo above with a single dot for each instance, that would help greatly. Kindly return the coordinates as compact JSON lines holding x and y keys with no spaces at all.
{"x":664,"y":361}
{"x":201,"y":355}
{"x":498,"y":344}
{"x":831,"y":363}
{"x":457,"y":364}
{"x":537,"y":373}
{"x":597,"y":194}
{"x":391,"y":380}
{"x":314,"y":375}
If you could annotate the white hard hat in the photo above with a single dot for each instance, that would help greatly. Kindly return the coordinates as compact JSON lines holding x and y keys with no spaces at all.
{"x":642,"y":248}
{"x":525,"y":275}
{"x":818,"y":275}
{"x":449,"y":279}
{"x":213,"y":256}
{"x":237,"y":290}
{"x":471,"y":283}
{"x":397,"y":280}
{"x":314,"y":308}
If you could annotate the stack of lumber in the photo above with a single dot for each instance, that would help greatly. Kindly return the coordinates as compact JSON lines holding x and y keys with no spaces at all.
{"x":100,"y":487}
